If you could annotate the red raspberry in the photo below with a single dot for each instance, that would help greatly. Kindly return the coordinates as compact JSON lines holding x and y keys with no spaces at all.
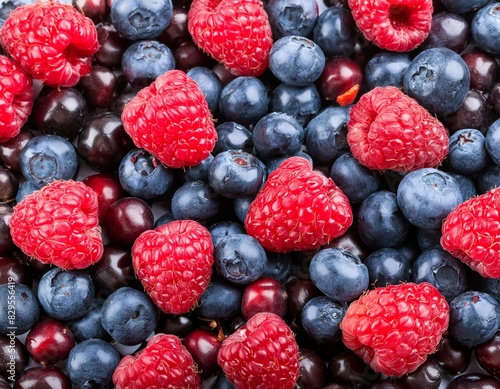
{"x":52,"y":41}
{"x":394,"y":328}
{"x":393,"y":25}
{"x":471,"y":233}
{"x":262,"y":353}
{"x":16,"y":98}
{"x":164,"y":363}
{"x":234,"y":32}
{"x":171,"y":120}
{"x":389,"y":130}
{"x":174,"y":263}
{"x":59,"y":224}
{"x":298,"y":209}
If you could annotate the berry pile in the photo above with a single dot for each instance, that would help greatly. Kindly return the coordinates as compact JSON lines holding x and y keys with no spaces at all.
{"x":281,"y":194}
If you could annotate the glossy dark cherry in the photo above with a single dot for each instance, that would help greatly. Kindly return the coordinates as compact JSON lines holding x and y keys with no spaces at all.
{"x":103,"y":142}
{"x":21,"y":357}
{"x":264,"y":295}
{"x":223,"y":73}
{"x":348,"y":369}
{"x":300,"y":291}
{"x":340,"y":74}
{"x":188,"y":55}
{"x":4,"y":384}
{"x":204,"y":346}
{"x":7,"y":247}
{"x":10,"y":150}
{"x":49,"y":341}
{"x":387,"y":384}
{"x":313,"y":373}
{"x":474,"y":381}
{"x":483,"y":70}
{"x":447,"y":30}
{"x":99,"y":86}
{"x":108,"y":189}
{"x":488,"y":355}
{"x":50,"y":377}
{"x":9,"y":184}
{"x":350,"y":241}
{"x":494,"y":97}
{"x":177,"y":31}
{"x":427,"y":376}
{"x":337,"y":386}
{"x":93,"y":9}
{"x":179,"y":325}
{"x":452,"y":356}
{"x":14,"y":269}
{"x":126,"y":219}
{"x":111,"y":46}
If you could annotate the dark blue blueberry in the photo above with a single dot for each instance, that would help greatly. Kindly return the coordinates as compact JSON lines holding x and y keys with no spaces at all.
{"x":275,"y":162}
{"x":278,"y":266}
{"x":296,"y":60}
{"x":386,"y":68}
{"x":141,"y":19}
{"x":339,"y":274}
{"x":222,"y":229}
{"x":467,"y":151}
{"x":209,"y":83}
{"x":7,"y":6}
{"x":65,"y":294}
{"x":326,"y":134}
{"x":164,"y":218}
{"x":240,"y":258}
{"x":466,"y":184}
{"x":492,"y":141}
{"x":474,"y":318}
{"x":321,"y":318}
{"x":380,"y":222}
{"x":439,"y":79}
{"x":195,"y":201}
{"x":198,"y":172}
{"x":129,"y":316}
{"x":441,"y":269}
{"x":485,"y":28}
{"x":241,"y":206}
{"x":488,"y":179}
{"x":92,"y":362}
{"x":388,"y":266}
{"x":26,"y":188}
{"x":355,"y":180}
{"x":490,"y":286}
{"x":429,"y":238}
{"x":235,"y":173}
{"x":144,"y":61}
{"x":142,"y":175}
{"x":19,"y":309}
{"x":221,"y":299}
{"x":222,"y":382}
{"x":277,"y":135}
{"x":426,"y":196}
{"x":46,"y":158}
{"x":463,"y":6}
{"x":301,"y":102}
{"x":291,"y":17}
{"x":335,"y":32}
{"x":244,"y":100}
{"x":89,"y":326}
{"x":232,"y":136}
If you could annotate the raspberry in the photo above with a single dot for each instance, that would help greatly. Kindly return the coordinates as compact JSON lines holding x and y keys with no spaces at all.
{"x":16,"y":98}
{"x":470,"y":233}
{"x":262,"y":353}
{"x":236,"y":33}
{"x":163,"y":363}
{"x":52,"y":41}
{"x":59,"y":225}
{"x":394,"y":328}
{"x":389,"y":130}
{"x":393,"y":25}
{"x":171,"y":120}
{"x":298,"y":209}
{"x":174,"y":263}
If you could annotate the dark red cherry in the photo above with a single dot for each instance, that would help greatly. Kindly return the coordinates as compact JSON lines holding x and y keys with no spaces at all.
{"x":448,"y":30}
{"x":337,"y":386}
{"x":99,"y":86}
{"x":13,"y":269}
{"x":9,"y":184}
{"x":494,"y":97}
{"x":188,"y":55}
{"x":7,"y":247}
{"x":388,"y":384}
{"x":313,"y":373}
{"x":204,"y":346}
{"x":177,"y":31}
{"x":13,"y":357}
{"x":427,"y":376}
{"x":50,"y":377}
{"x":452,"y":356}
{"x":488,"y":355}
{"x":179,"y":325}
{"x":4,"y":384}
{"x":93,"y":9}
{"x":350,"y":241}
{"x":264,"y":295}
{"x":349,"y":369}
{"x":108,"y":189}
{"x":340,"y":75}
{"x":10,"y":150}
{"x":300,"y":291}
{"x":474,"y":381}
{"x":483,"y":69}
{"x":111,"y":46}
{"x":223,"y":73}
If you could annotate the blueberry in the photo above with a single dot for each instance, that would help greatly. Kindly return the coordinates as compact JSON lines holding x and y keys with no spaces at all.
{"x":474,"y":318}
{"x":492,"y":141}
{"x":232,"y":136}
{"x":429,"y":238}
{"x":129,"y":316}
{"x":244,"y":100}
{"x":221,"y":299}
{"x":144,"y":61}
{"x":296,"y":60}
{"x":339,"y":274}
{"x":65,"y":294}
{"x":467,"y":151}
{"x":235,"y":173}
{"x":198,"y":172}
{"x":274,"y":163}
{"x":301,"y":102}
{"x":141,"y":19}
{"x":19,"y":308}
{"x":326,"y":134}
{"x":195,"y":201}
{"x":277,"y":135}
{"x":209,"y":83}
{"x":335,"y":32}
{"x":223,"y":383}
{"x":490,"y":286}
{"x":164,"y":218}
{"x":466,"y":184}
{"x":380,"y":222}
{"x":488,"y":178}
{"x":485,"y":28}
{"x":222,"y":229}
{"x":291,"y":17}
{"x":386,"y":68}
{"x":278,"y":266}
{"x":92,"y":362}
{"x":426,"y":196}
{"x":26,"y":188}
{"x":143,"y":176}
{"x":441,"y":269}
{"x":321,"y":318}
{"x":46,"y":158}
{"x":439,"y":79}
{"x":388,"y":266}
{"x":240,"y":258}
{"x":463,"y":6}
{"x":89,"y":325}
{"x":241,"y":206}
{"x":355,"y":180}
